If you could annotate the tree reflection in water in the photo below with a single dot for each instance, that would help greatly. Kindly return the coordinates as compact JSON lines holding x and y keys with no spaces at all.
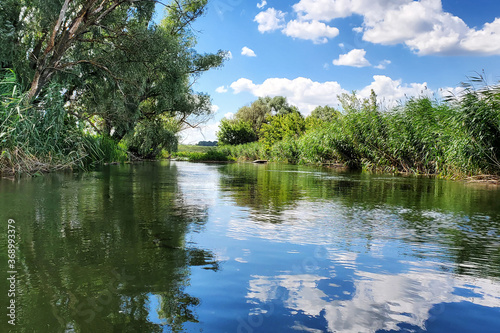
{"x":97,"y":247}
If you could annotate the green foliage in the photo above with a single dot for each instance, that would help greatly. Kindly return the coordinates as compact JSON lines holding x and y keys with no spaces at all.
{"x":207,"y":143}
{"x":45,"y":137}
{"x":256,"y":114}
{"x":279,"y":127}
{"x":100,"y":67}
{"x":458,"y":138}
{"x":246,"y":152}
{"x":316,"y":145}
{"x":324,"y":113}
{"x":212,"y":155}
{"x":286,"y":150}
{"x":193,"y":148}
{"x":352,"y":103}
{"x":235,"y":132}
{"x":101,"y":149}
{"x":479,"y":114}
{"x":150,"y":137}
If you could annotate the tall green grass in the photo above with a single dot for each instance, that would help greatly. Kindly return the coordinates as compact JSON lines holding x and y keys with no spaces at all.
{"x":42,"y":136}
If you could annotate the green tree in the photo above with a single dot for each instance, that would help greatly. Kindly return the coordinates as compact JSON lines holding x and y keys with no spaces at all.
{"x":325,"y":113}
{"x":117,"y":68}
{"x":150,"y":136}
{"x":352,"y":103}
{"x":280,"y":127}
{"x":263,"y":107}
{"x":235,"y":132}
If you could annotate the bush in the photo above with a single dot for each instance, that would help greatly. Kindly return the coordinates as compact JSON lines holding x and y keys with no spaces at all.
{"x":210,"y":156}
{"x":150,"y":137}
{"x":280,"y":127}
{"x":235,"y":132}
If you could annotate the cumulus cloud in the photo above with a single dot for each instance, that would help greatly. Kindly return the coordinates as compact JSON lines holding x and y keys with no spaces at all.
{"x":422,"y":25}
{"x":307,"y":94}
{"x":324,"y":10}
{"x":215,"y":108}
{"x":205,"y":132}
{"x":229,"y":115}
{"x":229,"y":55}
{"x":248,"y":52}
{"x":221,"y":89}
{"x":391,"y":92}
{"x":449,"y":92}
{"x":354,"y":58}
{"x":262,"y":4}
{"x":270,"y":20}
{"x":314,"y":30}
{"x":383,"y":64}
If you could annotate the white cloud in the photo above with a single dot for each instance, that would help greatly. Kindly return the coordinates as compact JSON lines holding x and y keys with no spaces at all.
{"x":262,"y":4}
{"x":354,"y":58}
{"x":270,"y":20}
{"x":324,"y":10}
{"x":302,"y":92}
{"x":422,"y":25}
{"x":383,"y":64}
{"x":204,"y":132}
{"x":314,"y":30}
{"x":307,"y":94}
{"x":486,"y":41}
{"x":229,"y":115}
{"x":391,"y":92}
{"x":215,"y":108}
{"x":221,"y":89}
{"x":449,"y":92}
{"x":248,"y":52}
{"x":229,"y":55}
{"x":242,"y":84}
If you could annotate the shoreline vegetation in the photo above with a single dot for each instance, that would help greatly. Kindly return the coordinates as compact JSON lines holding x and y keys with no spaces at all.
{"x":87,"y":82}
{"x":457,"y":138}
{"x":124,"y":93}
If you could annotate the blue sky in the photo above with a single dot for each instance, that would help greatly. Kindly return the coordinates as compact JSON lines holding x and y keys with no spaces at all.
{"x":313,"y":50}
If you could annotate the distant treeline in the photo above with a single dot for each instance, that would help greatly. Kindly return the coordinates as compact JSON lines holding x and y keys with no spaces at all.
{"x":207,"y":143}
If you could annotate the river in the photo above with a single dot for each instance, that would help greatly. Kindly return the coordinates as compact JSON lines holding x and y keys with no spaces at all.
{"x":190,"y":247}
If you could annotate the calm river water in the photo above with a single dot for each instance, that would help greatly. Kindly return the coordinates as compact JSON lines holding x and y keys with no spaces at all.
{"x":184,"y":247}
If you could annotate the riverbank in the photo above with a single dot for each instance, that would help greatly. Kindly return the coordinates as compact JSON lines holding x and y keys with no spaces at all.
{"x":458,"y":139}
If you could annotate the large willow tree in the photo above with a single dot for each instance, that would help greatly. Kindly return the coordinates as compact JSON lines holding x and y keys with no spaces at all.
{"x":115,"y":65}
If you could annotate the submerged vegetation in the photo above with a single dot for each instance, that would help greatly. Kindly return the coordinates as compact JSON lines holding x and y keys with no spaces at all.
{"x":455,"y":138}
{"x":86,"y":82}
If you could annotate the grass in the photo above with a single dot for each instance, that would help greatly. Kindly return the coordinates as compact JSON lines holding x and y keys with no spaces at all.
{"x":44,"y":137}
{"x":194,"y":148}
{"x":209,"y":156}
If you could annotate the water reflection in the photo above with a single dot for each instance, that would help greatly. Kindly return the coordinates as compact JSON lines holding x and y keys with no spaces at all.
{"x":389,"y":254}
{"x":374,"y":301}
{"x":427,"y":215}
{"x":97,"y":248}
{"x":171,"y":247}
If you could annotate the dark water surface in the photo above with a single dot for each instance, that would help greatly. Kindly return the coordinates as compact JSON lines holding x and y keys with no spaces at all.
{"x":175,"y":246}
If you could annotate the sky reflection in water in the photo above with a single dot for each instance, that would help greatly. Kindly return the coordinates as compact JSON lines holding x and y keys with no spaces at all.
{"x":319,"y":264}
{"x":184,"y":247}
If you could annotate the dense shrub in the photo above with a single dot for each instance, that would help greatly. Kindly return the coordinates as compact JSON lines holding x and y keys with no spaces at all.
{"x":235,"y":132}
{"x":150,"y":137}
